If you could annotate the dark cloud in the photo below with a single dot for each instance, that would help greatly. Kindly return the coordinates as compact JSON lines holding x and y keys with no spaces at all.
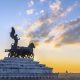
{"x":73,"y":35}
{"x":70,"y":33}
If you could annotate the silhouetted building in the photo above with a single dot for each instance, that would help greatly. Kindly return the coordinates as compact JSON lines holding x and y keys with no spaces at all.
{"x":69,"y":76}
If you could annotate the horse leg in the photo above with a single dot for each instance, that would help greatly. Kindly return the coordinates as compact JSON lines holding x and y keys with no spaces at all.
{"x":16,"y":55}
{"x":32,"y":55}
{"x":9,"y":55}
{"x":28,"y":56}
{"x":22,"y":56}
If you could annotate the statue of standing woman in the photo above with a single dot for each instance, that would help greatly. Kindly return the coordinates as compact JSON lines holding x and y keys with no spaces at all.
{"x":14,"y":36}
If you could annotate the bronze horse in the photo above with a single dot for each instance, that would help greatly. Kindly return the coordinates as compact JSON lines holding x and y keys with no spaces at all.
{"x":22,"y":51}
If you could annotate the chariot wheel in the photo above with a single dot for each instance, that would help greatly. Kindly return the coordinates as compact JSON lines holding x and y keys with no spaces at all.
{"x":32,"y":56}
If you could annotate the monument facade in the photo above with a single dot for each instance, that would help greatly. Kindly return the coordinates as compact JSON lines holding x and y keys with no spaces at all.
{"x":20,"y":64}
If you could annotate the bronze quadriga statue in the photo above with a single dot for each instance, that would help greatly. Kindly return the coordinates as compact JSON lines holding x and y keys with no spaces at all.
{"x":17,"y":51}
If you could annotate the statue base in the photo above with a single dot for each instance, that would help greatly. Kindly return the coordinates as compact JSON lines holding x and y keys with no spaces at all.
{"x":25,"y":69}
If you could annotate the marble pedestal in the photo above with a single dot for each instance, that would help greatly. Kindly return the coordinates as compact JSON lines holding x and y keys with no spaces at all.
{"x":25,"y":69}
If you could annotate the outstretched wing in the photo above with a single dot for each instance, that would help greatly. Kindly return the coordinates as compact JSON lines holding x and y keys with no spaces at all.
{"x":12,"y":33}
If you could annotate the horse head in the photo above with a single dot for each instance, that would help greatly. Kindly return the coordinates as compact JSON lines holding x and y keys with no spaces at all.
{"x":32,"y":45}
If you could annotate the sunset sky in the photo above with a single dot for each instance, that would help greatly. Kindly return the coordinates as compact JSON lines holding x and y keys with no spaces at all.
{"x":53,"y":26}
